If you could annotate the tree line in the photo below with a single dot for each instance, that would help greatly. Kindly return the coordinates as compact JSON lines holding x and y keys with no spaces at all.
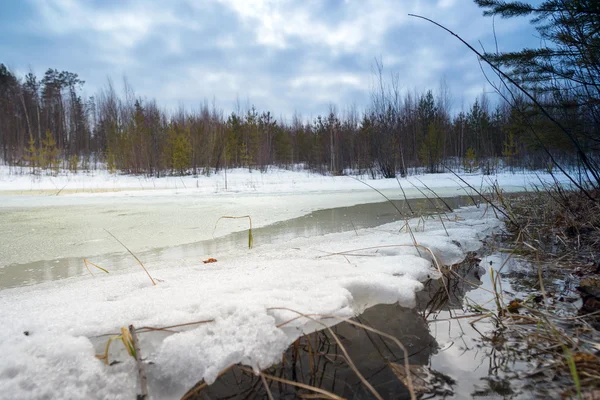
{"x":47,"y":124}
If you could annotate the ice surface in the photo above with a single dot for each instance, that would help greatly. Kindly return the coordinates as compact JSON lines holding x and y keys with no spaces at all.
{"x":147,"y":213}
{"x":63,"y":319}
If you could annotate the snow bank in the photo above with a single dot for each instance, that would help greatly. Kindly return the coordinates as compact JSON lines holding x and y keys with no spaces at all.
{"x":102,"y":183}
{"x":50,"y":331}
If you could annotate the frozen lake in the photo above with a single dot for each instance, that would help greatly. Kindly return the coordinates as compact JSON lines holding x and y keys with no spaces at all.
{"x":49,"y":224}
{"x":323,"y":245}
{"x":47,"y":239}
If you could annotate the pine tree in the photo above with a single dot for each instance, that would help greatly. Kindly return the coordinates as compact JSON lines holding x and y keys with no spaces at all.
{"x":563,"y":73}
{"x":571,"y":30}
{"x":49,"y":154}
{"x":74,"y":163}
{"x":111,"y":163}
{"x":180,"y":150}
{"x":470,"y":160}
{"x":431,"y":149}
{"x":509,"y":150}
{"x":245,"y":157}
{"x":32,"y":154}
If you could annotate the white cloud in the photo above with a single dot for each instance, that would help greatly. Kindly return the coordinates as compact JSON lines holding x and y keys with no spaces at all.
{"x":126,"y":26}
{"x":282,"y":54}
{"x":277,"y":23}
{"x":327,"y":80}
{"x":113,"y":32}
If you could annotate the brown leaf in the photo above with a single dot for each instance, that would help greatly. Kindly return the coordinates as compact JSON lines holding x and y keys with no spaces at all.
{"x":210,"y":260}
{"x":514,"y":306}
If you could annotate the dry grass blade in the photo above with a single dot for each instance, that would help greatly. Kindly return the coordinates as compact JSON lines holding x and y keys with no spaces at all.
{"x":127,"y":339}
{"x":134,"y":256}
{"x":351,"y":364}
{"x":297,"y":384}
{"x":404,"y":194}
{"x":436,"y":195}
{"x":86,"y":262}
{"x":145,"y":329}
{"x":358,"y":324}
{"x":346,"y":355}
{"x":487,"y":200}
{"x":150,"y":328}
{"x":444,"y":225}
{"x":104,"y":357}
{"x":397,"y":209}
{"x":435,"y":206}
{"x":250,"y":236}
{"x":266,"y":385}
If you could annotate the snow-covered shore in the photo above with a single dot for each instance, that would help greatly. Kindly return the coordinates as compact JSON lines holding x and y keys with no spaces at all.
{"x":55,"y":358}
{"x":101,"y":183}
{"x":51,"y":331}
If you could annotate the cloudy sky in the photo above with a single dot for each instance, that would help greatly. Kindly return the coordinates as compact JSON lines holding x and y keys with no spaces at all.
{"x":281,"y":55}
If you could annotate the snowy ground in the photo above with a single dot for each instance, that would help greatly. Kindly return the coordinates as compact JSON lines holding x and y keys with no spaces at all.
{"x":55,"y":358}
{"x":50,"y":331}
{"x":100,"y":183}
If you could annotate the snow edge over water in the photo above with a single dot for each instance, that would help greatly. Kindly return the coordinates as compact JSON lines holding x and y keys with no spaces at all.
{"x":51,"y":331}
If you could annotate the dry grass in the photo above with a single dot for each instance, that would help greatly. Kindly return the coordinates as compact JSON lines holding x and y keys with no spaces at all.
{"x":87,"y":264}
{"x":557,"y":232}
{"x":134,"y":256}
{"x":555,"y":225}
{"x":250,"y":236}
{"x":546,"y":227}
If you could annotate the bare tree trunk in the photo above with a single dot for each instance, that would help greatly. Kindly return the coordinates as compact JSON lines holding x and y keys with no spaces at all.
{"x":25,"y":111}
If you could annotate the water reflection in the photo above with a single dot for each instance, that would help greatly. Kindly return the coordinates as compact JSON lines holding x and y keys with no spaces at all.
{"x":317,"y":360}
{"x":452,"y":351}
{"x":439,"y":353}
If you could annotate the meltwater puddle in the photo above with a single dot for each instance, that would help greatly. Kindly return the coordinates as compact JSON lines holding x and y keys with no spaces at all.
{"x":448,"y":356}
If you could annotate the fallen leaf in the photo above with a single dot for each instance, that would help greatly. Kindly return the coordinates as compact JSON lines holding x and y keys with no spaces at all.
{"x":514,"y":306}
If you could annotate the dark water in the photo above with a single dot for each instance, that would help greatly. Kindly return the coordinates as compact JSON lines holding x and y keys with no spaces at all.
{"x":444,"y":360}
{"x":314,"y":224}
{"x":452,"y":349}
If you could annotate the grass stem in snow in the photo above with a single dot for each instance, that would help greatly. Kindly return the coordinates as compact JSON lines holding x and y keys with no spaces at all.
{"x":250,"y":237}
{"x":86,"y":262}
{"x":134,"y":256}
{"x":140,"y":365}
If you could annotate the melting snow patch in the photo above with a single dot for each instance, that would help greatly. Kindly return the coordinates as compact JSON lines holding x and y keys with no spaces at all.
{"x":244,"y":293}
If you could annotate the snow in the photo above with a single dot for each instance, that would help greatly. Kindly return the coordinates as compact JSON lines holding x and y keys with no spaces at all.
{"x":242,"y":293}
{"x":101,"y":183}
